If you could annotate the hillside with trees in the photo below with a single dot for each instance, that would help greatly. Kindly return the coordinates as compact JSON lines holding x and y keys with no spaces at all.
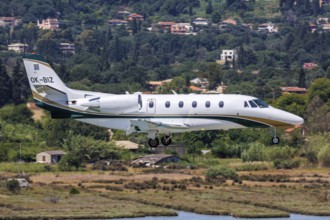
{"x":114,"y":52}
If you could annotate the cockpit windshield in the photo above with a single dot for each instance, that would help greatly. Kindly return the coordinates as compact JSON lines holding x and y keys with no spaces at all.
{"x":260,"y":103}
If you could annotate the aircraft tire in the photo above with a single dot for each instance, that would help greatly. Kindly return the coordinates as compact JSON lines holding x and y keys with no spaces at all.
{"x":153,"y":142}
{"x":166,"y":140}
{"x":275,"y":140}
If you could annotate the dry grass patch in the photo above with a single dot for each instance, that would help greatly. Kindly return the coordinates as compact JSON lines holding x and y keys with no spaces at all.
{"x":57,"y":203}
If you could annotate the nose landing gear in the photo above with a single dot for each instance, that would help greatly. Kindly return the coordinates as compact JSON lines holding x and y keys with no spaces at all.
{"x":275,"y":139}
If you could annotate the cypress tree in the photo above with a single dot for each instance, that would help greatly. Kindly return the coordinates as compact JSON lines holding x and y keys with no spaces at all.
{"x":302,"y":79}
{"x":209,"y":7}
{"x":16,"y":84}
{"x":5,"y":86}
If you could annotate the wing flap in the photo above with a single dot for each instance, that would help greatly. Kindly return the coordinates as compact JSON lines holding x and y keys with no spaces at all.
{"x":153,"y":126}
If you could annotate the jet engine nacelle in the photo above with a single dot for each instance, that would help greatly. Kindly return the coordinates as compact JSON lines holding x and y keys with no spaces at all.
{"x":114,"y":104}
{"x":120,"y":104}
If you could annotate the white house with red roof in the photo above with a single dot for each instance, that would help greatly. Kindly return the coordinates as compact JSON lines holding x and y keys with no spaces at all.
{"x":9,"y":21}
{"x":48,"y":24}
{"x":136,"y":17}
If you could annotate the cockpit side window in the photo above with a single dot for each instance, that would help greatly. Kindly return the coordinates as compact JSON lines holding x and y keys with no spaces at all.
{"x":253,"y":105}
{"x":246,"y":105}
{"x":260,"y":103}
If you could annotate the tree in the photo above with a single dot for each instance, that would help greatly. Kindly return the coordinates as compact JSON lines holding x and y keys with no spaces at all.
{"x":83,"y":150}
{"x":16,"y":114}
{"x":5,"y":86}
{"x":293,"y":103}
{"x":318,"y":116}
{"x":134,"y":27}
{"x":20,"y":85}
{"x":302,"y":78}
{"x":320,"y":87}
{"x":216,"y":17}
{"x":316,"y":7}
{"x":209,"y":7}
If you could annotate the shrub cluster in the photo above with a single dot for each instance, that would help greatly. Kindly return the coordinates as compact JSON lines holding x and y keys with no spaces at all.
{"x":282,"y":157}
{"x":152,"y":184}
{"x":324,"y":155}
{"x":221,"y":174}
{"x":114,"y":188}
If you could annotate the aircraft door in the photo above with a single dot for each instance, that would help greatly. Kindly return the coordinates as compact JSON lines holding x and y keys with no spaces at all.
{"x":151,"y":106}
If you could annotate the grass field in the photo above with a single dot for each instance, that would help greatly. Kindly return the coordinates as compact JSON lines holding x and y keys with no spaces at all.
{"x":262,"y":192}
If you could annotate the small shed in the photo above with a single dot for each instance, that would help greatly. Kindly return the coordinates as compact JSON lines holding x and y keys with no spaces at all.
{"x":156,"y":159}
{"x":53,"y":156}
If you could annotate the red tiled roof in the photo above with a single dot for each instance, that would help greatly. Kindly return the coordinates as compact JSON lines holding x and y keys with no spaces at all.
{"x":293,"y":89}
{"x":195,"y":88}
{"x":166,"y":23}
{"x":135,"y":15}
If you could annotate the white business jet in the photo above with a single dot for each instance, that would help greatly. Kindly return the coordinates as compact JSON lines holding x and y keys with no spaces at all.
{"x":159,"y":116}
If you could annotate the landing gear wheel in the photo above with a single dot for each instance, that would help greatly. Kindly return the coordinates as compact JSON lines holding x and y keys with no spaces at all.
{"x":153,"y":142}
{"x":275,"y":140}
{"x":166,"y":140}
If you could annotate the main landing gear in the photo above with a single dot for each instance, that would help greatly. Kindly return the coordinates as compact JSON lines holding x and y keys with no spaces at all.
{"x":275,"y":139}
{"x":165,"y":140}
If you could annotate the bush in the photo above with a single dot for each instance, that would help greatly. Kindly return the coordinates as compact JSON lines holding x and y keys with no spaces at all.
{"x":257,"y":152}
{"x":221,"y":173}
{"x":74,"y":191}
{"x":280,"y":153}
{"x":286,"y":164}
{"x":13,"y":186}
{"x":311,"y":157}
{"x":324,"y":156}
{"x":251,"y":166}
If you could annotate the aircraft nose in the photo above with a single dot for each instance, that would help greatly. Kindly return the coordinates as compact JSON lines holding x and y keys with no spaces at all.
{"x":296,"y":120}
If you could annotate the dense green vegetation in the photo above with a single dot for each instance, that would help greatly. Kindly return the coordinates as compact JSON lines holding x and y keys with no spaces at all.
{"x":117,"y":59}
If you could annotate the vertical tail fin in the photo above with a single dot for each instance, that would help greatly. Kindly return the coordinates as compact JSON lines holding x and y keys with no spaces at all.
{"x":45,"y":84}
{"x":40,"y":73}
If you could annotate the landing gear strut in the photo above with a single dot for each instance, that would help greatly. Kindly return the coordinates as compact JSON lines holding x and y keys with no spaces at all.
{"x":275,"y":139}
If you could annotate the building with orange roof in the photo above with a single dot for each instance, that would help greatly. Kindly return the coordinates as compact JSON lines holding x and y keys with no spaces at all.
{"x":297,"y":90}
{"x":136,"y":17}
{"x":196,"y":89}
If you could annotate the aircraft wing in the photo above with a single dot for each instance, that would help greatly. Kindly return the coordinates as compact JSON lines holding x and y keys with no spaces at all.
{"x":153,"y":126}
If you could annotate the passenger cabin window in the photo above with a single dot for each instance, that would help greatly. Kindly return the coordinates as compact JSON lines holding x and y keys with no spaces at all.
{"x":253,"y":105}
{"x":221,"y":104}
{"x":167,"y":104}
{"x":180,"y":104}
{"x":207,"y":104}
{"x":151,"y":104}
{"x":194,"y":104}
{"x":260,"y":103}
{"x":246,"y":105}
